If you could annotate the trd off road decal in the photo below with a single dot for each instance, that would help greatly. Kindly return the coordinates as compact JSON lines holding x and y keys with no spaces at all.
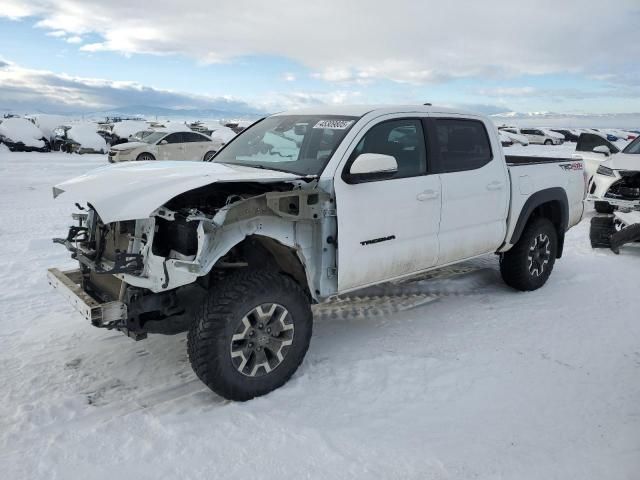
{"x":334,"y":124}
{"x":571,"y":166}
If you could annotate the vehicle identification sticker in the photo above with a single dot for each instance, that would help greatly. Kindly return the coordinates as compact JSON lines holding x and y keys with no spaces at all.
{"x":334,"y":124}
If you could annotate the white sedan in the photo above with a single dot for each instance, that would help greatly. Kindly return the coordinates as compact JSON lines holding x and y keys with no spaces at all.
{"x":185,"y":145}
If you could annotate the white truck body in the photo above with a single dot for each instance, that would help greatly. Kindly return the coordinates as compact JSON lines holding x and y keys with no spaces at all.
{"x":332,"y":199}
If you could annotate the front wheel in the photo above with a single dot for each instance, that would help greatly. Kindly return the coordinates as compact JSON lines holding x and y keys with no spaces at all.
{"x":548,"y":142}
{"x":209,"y":155}
{"x":144,"y":157}
{"x":251,"y":334}
{"x":529,"y":263}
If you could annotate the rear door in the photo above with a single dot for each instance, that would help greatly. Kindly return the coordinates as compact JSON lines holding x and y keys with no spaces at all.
{"x":475,"y":188}
{"x":196,"y":145}
{"x":173,"y":149}
{"x":533,"y":135}
{"x":387,"y":228}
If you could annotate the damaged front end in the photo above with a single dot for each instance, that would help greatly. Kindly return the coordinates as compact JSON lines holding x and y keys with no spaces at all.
{"x":136,"y":275}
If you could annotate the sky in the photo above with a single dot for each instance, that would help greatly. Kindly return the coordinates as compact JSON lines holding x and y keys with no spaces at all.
{"x":570,"y":57}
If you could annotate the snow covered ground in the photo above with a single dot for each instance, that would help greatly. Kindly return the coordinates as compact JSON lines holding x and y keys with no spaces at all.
{"x":457,"y":377}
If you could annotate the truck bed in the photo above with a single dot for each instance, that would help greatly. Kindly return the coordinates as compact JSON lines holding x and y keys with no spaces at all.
{"x":516,"y":160}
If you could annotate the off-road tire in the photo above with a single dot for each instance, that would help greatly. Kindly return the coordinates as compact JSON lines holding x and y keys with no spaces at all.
{"x":515,"y":265}
{"x":145,"y":156}
{"x":209,"y":341}
{"x":603,"y":207}
{"x":600,"y":231}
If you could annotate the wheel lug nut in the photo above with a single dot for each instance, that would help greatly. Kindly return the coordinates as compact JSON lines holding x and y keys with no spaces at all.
{"x":269,"y":330}
{"x":260,"y":325}
{"x":252,"y":333}
{"x":250,"y":345}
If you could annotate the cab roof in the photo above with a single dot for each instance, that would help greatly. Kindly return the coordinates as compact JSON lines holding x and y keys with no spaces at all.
{"x":361,"y":110}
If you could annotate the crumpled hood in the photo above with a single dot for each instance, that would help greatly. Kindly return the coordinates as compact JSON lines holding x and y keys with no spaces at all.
{"x":623,"y":161}
{"x":133,"y":190}
{"x":128,"y":146}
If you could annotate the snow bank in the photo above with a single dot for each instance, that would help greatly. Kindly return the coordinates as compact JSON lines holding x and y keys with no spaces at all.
{"x":126,"y":128}
{"x":87,"y":136}
{"x":21,"y":130}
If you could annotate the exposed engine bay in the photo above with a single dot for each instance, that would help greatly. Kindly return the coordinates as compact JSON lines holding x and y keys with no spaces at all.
{"x":196,"y":238}
{"x":627,"y":188}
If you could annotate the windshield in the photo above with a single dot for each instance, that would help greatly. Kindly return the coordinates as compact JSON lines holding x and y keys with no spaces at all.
{"x":633,"y":147}
{"x":154,"y":137}
{"x":300,"y":144}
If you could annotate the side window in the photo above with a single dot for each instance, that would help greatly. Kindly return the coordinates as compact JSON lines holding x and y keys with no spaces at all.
{"x":402,"y":139}
{"x":193,"y":137}
{"x":588,"y":141}
{"x":174,"y":138}
{"x":462,"y":145}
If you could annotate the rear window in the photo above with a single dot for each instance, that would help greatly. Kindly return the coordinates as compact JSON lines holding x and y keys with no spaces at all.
{"x":462,"y":145}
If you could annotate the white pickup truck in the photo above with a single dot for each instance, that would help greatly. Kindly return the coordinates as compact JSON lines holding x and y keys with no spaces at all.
{"x":300,"y":207}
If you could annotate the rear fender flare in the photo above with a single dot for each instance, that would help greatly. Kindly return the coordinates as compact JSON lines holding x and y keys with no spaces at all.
{"x":555,"y":195}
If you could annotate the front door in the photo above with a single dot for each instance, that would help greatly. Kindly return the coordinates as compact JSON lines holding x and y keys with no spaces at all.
{"x":387,"y":228}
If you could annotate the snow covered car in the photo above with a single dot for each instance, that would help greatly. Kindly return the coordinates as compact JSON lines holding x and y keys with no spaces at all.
{"x":185,"y":145}
{"x":616,"y":183}
{"x":81,"y":138}
{"x":542,"y":137}
{"x":298,"y":208}
{"x":513,"y":135}
{"x":21,"y":135}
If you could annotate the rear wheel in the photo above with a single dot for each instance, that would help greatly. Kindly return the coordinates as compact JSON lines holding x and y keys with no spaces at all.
{"x":603,"y":207}
{"x":529,"y":263}
{"x":209,"y":155}
{"x":251,"y":334}
{"x":144,"y":157}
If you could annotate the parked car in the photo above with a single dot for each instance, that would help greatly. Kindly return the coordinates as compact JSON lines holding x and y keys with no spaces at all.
{"x":185,"y":145}
{"x":272,"y":225}
{"x":569,"y":136}
{"x":78,"y":138}
{"x":504,"y":139}
{"x":542,"y":137}
{"x":514,"y":136}
{"x":616,"y":183}
{"x":21,"y":135}
{"x":593,"y":148}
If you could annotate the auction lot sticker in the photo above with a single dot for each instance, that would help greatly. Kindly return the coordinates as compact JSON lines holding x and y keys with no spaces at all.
{"x":334,"y":124}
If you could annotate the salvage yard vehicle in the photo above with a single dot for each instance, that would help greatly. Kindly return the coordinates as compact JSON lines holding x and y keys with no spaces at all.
{"x":542,"y":137}
{"x":298,"y":208}
{"x":616,"y":183}
{"x":186,"y":145}
{"x":78,"y":138}
{"x":21,"y":135}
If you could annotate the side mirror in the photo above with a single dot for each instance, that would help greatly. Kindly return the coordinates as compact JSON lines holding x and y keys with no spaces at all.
{"x":162,"y":142}
{"x":603,"y":149}
{"x":373,"y":165}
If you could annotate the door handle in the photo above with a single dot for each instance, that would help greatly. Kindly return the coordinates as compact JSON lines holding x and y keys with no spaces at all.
{"x":495,"y":186}
{"x":428,"y":195}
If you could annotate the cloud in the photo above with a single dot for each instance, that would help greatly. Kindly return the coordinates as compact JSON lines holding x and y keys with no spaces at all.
{"x":38,"y":90}
{"x":365,"y":40}
{"x":74,"y":39}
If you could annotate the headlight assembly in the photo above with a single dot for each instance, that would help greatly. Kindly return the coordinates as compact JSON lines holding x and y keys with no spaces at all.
{"x":606,"y":171}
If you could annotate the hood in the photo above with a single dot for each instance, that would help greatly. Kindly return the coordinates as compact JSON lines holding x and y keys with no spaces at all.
{"x":133,"y":190}
{"x":129,"y":146}
{"x":623,"y":161}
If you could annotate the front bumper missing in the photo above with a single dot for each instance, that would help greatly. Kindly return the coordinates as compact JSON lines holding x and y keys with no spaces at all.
{"x":100,"y":314}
